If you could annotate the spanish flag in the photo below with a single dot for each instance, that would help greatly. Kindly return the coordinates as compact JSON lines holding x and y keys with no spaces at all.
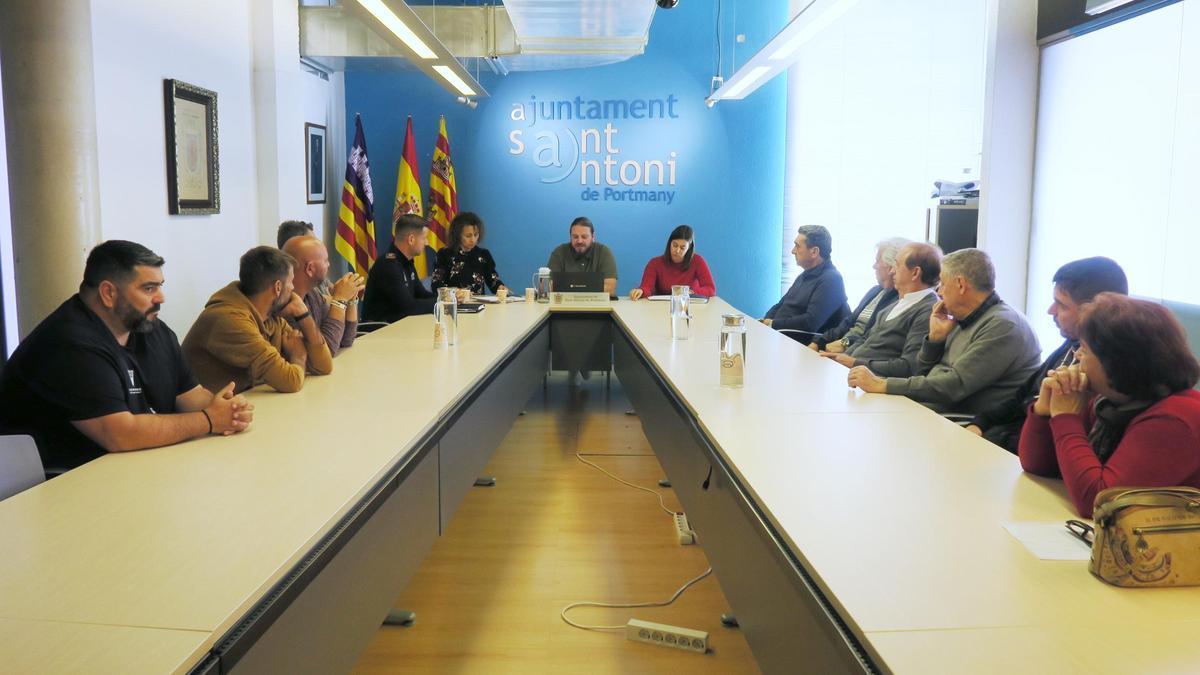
{"x":356,"y":216}
{"x":408,"y":190}
{"x":443,"y":196}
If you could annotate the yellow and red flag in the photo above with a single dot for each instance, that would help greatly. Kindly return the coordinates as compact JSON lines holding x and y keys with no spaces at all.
{"x":356,"y":216}
{"x":408,"y":189}
{"x":443,"y":195}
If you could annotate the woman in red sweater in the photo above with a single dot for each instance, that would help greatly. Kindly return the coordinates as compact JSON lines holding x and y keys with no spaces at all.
{"x":1126,"y":414}
{"x":679,"y":265}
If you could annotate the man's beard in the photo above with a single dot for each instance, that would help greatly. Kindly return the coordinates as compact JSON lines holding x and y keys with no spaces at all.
{"x":135,"y":321}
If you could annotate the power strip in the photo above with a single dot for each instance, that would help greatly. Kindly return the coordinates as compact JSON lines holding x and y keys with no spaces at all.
{"x":686,"y":534}
{"x":695,"y":641}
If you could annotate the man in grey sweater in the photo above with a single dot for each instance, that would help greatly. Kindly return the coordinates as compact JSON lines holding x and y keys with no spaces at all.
{"x":894,"y":341}
{"x":978,"y":352}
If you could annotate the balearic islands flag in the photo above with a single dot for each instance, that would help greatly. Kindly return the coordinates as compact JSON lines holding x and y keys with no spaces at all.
{"x":443,"y":195}
{"x":356,"y":217}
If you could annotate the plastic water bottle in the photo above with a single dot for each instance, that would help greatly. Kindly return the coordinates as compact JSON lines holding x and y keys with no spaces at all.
{"x":732,"y":348}
{"x":680,"y":316}
{"x":445,"y":318}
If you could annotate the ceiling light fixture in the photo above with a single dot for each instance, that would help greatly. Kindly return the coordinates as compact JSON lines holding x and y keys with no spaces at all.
{"x":400,"y":29}
{"x":781,"y":51}
{"x":396,"y":23}
{"x":1095,"y":7}
{"x":457,"y":82}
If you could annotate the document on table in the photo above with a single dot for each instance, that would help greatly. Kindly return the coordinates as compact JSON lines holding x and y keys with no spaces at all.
{"x":1049,"y":541}
{"x":667,"y":297}
{"x":493,"y":300}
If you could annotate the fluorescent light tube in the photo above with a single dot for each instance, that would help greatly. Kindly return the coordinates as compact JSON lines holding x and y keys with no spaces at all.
{"x":1095,"y":7}
{"x":456,"y":81}
{"x":818,"y":24}
{"x":750,"y":78}
{"x":393,"y":23}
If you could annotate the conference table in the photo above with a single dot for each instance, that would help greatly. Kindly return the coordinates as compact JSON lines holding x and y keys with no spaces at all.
{"x":850,"y":532}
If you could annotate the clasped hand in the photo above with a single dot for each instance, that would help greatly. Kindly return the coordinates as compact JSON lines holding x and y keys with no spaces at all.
{"x":1064,"y":391}
{"x":229,"y":413}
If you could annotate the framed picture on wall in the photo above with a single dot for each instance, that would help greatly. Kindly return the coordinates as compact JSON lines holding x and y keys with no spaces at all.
{"x":314,"y":162}
{"x":193,"y":174}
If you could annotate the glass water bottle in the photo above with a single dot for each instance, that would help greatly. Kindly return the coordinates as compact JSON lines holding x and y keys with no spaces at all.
{"x":680,"y":314}
{"x":445,"y":318}
{"x":732,"y":347}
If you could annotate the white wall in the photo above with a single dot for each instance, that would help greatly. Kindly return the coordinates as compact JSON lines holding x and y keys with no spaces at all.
{"x":209,"y":43}
{"x":6,"y":246}
{"x":881,"y":103}
{"x":1118,"y":157}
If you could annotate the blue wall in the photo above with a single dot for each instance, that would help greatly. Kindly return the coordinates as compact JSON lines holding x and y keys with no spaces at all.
{"x":728,"y":160}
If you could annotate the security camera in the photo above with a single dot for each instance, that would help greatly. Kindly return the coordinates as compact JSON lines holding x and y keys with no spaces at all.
{"x":667,"y":4}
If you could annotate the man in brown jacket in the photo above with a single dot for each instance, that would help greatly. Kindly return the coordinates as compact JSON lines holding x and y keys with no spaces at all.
{"x":241,"y":335}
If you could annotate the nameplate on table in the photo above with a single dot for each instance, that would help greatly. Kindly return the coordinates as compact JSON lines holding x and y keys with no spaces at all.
{"x":579,"y":298}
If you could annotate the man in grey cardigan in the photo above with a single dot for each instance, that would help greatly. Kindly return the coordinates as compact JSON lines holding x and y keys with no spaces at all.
{"x":895,"y":338}
{"x":978,"y":352}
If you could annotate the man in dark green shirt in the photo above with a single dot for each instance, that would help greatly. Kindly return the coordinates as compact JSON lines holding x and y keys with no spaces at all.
{"x":584,"y":254}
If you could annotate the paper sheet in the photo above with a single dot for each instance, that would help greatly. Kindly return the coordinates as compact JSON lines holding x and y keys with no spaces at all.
{"x":667,"y":297}
{"x":492,"y":300}
{"x":1049,"y":541}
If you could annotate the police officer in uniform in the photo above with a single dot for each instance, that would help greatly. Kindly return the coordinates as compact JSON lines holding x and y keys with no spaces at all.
{"x":393,"y":289}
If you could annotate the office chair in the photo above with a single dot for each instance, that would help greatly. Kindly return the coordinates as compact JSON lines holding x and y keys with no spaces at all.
{"x":365,"y":327}
{"x":20,"y":465}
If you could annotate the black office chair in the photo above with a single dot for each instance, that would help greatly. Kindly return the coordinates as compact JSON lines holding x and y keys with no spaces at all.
{"x":366,"y":327}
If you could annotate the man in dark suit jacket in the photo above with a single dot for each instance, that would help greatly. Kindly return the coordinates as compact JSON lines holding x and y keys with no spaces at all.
{"x":816,"y":302}
{"x":894,"y":340}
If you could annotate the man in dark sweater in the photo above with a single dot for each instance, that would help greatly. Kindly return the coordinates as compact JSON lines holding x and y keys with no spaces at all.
{"x":816,"y":302}
{"x":1075,"y":284}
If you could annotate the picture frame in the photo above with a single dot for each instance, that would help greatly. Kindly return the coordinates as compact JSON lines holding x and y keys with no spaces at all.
{"x":314,"y":162}
{"x":193,"y":169}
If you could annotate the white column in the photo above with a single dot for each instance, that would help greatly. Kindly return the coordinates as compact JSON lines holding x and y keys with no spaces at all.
{"x":1009,"y":125}
{"x":50,"y":130}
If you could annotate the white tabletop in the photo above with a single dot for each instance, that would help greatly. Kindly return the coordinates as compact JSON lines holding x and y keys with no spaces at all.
{"x":898,"y":512}
{"x":190,"y":537}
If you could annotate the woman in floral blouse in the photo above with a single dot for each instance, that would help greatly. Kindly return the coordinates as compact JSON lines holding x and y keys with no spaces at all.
{"x":464,"y":263}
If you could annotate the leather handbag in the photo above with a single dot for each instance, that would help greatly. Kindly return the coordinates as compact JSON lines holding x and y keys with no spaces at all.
{"x":1147,"y":537}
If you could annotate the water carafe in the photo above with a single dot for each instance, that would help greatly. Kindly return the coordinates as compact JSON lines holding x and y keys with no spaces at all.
{"x":732,"y":349}
{"x":541,"y":284}
{"x":680,"y":312}
{"x":445,"y":318}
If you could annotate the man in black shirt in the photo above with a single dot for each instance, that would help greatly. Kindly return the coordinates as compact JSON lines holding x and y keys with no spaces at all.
{"x":1075,"y":284}
{"x":103,"y":374}
{"x":394,"y":290}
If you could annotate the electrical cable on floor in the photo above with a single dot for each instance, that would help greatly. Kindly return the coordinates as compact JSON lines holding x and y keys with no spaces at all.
{"x":672,"y":599}
{"x":625,"y":482}
{"x":627,"y":605}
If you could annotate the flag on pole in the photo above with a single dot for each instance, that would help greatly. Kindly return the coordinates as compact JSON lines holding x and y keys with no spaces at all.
{"x":443,"y":195}
{"x":356,"y":216}
{"x":408,"y":189}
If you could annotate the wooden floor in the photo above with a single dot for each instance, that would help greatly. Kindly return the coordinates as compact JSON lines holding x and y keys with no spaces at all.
{"x":554,"y":531}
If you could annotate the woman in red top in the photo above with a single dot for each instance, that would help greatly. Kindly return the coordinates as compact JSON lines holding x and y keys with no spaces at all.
{"x":679,"y":265}
{"x":1124,"y":416}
